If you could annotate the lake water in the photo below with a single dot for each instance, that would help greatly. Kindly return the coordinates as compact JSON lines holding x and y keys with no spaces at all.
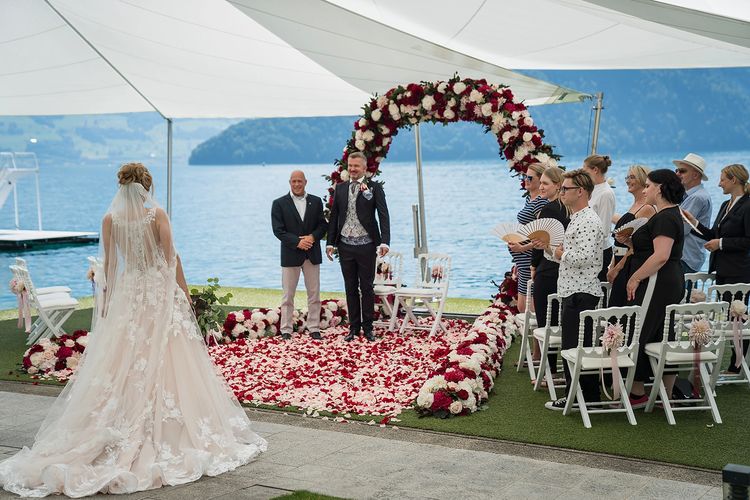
{"x":222,"y":217}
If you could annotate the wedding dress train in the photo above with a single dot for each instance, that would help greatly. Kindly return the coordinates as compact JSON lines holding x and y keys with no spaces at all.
{"x":147,"y":407}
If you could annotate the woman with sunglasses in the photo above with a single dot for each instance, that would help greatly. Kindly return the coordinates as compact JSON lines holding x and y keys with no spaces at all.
{"x":521,"y":252}
{"x":618,"y":270}
{"x":728,"y":239}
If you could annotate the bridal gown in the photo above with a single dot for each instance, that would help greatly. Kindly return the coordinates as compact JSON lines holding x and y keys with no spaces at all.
{"x":147,"y":407}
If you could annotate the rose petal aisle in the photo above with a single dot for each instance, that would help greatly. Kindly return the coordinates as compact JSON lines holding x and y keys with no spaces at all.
{"x":378,"y":378}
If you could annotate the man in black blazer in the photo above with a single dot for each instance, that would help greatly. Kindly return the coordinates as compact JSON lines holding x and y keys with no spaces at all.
{"x":354,"y":230}
{"x":298,"y":222}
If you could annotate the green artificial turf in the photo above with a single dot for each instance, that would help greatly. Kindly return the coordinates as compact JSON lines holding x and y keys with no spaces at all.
{"x":516,"y":413}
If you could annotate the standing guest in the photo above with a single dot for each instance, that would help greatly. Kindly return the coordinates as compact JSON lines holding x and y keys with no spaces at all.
{"x":580,"y":258}
{"x":728,"y":239}
{"x":297,"y":221}
{"x":655,"y":265}
{"x":618,"y":271}
{"x":603,"y":203}
{"x":691,"y":172}
{"x":354,"y":230}
{"x":544,"y":271}
{"x":521,"y":252}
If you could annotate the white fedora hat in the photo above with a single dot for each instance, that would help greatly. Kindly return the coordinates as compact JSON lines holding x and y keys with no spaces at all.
{"x":694,"y":161}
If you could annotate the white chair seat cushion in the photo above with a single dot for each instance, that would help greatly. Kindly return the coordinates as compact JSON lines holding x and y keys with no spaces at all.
{"x":57,"y":301}
{"x":52,"y":289}
{"x":418,"y":292}
{"x":554,"y":337}
{"x":596,"y":360}
{"x":654,"y":350}
{"x":384,"y":289}
{"x":522,"y":319}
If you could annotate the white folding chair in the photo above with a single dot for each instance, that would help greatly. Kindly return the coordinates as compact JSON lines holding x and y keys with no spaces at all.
{"x":670,"y":356}
{"x":20,"y":262}
{"x":594,"y":360}
{"x":698,"y":282}
{"x":388,"y":276}
{"x":550,"y":341}
{"x":528,"y":324}
{"x":53,"y":309}
{"x":728,"y":293}
{"x":431,"y":290}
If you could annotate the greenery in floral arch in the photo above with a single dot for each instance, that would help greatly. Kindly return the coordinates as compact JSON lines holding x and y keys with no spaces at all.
{"x":521,"y":142}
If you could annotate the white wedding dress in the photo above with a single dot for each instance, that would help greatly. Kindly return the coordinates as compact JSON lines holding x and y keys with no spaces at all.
{"x":146,"y":407}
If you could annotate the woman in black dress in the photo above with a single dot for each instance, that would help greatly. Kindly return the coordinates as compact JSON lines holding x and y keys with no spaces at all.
{"x":619,"y":268}
{"x":728,"y":239}
{"x":544,"y":271}
{"x":655,"y":265}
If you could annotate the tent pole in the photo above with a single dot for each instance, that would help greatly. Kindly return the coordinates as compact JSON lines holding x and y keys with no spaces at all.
{"x":169,"y":167}
{"x":597,"y":117}
{"x":420,"y":189}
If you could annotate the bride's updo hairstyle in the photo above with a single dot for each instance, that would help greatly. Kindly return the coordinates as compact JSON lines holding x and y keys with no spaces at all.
{"x":670,"y":186}
{"x":135,"y":172}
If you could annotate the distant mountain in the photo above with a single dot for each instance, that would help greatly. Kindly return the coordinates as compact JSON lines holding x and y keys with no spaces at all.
{"x":645,"y":112}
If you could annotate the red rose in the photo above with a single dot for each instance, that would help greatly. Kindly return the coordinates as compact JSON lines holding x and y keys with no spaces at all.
{"x":537,"y":140}
{"x":509,"y":107}
{"x":454,"y":375}
{"x":463,"y":394}
{"x":441,"y":401}
{"x":64,"y":352}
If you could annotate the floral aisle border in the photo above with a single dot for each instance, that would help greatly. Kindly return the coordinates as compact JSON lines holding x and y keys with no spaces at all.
{"x":56,"y":358}
{"x":491,"y":105}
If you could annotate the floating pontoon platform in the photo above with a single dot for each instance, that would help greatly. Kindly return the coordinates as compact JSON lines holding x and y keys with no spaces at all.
{"x":13,"y":239}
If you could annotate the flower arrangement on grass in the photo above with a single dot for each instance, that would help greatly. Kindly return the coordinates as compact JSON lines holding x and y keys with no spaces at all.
{"x":463,"y":381}
{"x":56,"y":358}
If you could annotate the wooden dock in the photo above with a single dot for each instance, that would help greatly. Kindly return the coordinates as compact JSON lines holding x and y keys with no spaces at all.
{"x":14,"y":239}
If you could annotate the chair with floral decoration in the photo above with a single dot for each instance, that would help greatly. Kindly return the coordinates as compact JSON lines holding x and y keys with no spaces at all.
{"x":692,"y":336}
{"x":696,"y":287}
{"x":53,"y":309}
{"x":431,"y":291}
{"x":736,"y":331}
{"x":388,"y":277}
{"x":20,"y":262}
{"x":608,"y":352}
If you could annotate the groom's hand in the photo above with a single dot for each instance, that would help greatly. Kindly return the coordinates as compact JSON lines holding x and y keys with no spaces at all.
{"x":329,"y":253}
{"x":305,"y":242}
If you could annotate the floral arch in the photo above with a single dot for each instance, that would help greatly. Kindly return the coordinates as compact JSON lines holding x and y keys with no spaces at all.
{"x":520,"y":141}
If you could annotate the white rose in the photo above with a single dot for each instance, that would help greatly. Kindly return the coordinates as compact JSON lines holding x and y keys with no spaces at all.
{"x":552,"y":162}
{"x":238,"y":328}
{"x":83,"y":341}
{"x":32,"y":370}
{"x":358,"y":134}
{"x":393,"y":109}
{"x":70,"y":343}
{"x":376,"y":115}
{"x":72,"y":362}
{"x":273,"y":330}
{"x":323,"y":324}
{"x":386,"y":141}
{"x":360,"y":145}
{"x":527,"y":137}
{"x":368,"y":136}
{"x":428,"y":102}
{"x":239,"y":316}
{"x":476,"y":96}
{"x":384,"y":130}
{"x":425,"y":399}
{"x":442,"y":87}
{"x":362,"y":122}
{"x":487,"y":109}
{"x":459,"y":87}
{"x":529,"y":121}
{"x":36,"y":358}
{"x":332,"y":306}
{"x":738,"y":308}
{"x":506,"y":137}
{"x":257,"y":316}
{"x":515,"y":115}
{"x":272,"y":316}
{"x":449,"y":114}
{"x":382,"y":101}
{"x":456,"y":407}
{"x":344,"y":175}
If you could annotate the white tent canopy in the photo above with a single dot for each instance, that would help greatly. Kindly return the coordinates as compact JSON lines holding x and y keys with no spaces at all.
{"x":196,"y":58}
{"x":577,"y":34}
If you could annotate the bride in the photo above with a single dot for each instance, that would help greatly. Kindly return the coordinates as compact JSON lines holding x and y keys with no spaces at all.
{"x":146,"y":407}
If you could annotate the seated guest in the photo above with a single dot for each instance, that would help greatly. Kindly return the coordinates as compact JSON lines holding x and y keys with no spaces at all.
{"x":578,"y":284}
{"x":656,"y":278}
{"x":544,"y":271}
{"x":521,"y":252}
{"x":728,"y":239}
{"x":603,"y":203}
{"x":691,"y":172}
{"x":618,"y":271}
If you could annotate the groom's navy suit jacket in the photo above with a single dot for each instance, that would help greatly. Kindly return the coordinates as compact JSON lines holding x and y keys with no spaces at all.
{"x":288,"y":227}
{"x":366,"y":210}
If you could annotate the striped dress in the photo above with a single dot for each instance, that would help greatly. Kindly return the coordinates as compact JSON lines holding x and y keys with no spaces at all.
{"x":522,"y":260}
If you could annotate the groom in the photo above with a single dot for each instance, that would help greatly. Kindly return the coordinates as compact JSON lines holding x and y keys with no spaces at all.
{"x":298,"y":222}
{"x":354,"y":230}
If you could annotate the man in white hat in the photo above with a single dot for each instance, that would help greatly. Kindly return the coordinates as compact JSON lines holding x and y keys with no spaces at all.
{"x":692,"y":172}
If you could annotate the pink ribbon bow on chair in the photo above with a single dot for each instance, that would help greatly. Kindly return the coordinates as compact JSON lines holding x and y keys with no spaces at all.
{"x":24,"y":311}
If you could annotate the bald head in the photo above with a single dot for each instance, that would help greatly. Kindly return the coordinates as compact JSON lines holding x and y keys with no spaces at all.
{"x":297,"y":182}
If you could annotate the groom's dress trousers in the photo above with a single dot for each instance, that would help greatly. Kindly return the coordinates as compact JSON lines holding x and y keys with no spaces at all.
{"x":354,"y":231}
{"x":291,"y":217}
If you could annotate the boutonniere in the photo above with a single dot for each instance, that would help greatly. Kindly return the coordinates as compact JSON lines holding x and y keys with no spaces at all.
{"x":365,"y":190}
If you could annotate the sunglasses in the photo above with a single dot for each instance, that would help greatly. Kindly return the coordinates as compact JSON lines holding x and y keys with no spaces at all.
{"x":528,"y":177}
{"x":680,"y":170}
{"x":630,"y":177}
{"x":563,"y":189}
